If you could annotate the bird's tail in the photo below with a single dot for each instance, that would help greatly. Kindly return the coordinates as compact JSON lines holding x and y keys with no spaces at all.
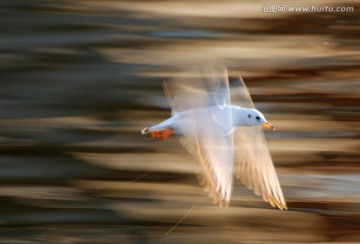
{"x":157,"y":134}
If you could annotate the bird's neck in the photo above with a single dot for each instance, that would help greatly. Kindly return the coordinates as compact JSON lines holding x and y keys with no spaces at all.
{"x":239,"y":116}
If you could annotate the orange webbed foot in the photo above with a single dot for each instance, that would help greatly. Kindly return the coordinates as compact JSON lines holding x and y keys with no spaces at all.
{"x":160,"y":134}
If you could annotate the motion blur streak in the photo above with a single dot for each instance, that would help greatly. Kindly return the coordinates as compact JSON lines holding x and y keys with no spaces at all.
{"x":80,"y":79}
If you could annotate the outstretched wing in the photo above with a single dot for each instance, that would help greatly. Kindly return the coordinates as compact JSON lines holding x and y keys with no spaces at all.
{"x":214,"y":152}
{"x":204,"y":92}
{"x":253,"y":163}
{"x":198,"y":88}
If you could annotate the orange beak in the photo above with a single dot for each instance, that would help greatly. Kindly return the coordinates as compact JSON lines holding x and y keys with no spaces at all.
{"x":268,"y":126}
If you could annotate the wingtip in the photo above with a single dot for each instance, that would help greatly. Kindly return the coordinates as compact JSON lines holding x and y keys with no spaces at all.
{"x":222,"y":203}
{"x":274,"y":203}
{"x":281,"y":206}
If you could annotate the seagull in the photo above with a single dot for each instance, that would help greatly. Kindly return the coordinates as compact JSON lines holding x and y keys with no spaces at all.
{"x":223,"y":131}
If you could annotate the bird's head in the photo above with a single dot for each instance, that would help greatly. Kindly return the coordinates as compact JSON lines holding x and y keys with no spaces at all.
{"x":255,"y":117}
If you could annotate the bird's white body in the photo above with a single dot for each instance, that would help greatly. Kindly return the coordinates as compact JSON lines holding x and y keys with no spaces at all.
{"x":182,"y":123}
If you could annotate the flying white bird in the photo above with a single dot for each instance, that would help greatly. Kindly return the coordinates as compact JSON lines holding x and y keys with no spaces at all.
{"x":224,"y":138}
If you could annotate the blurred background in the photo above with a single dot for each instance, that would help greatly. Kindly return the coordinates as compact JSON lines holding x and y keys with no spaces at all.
{"x":80,"y":79}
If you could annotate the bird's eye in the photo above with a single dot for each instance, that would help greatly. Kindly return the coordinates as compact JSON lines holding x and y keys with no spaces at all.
{"x":257,"y":117}
{"x":249,"y":116}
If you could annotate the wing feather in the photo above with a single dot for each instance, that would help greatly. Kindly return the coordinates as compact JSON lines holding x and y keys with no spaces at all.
{"x":209,"y":141}
{"x":253,"y":163}
{"x":216,"y":174}
{"x":198,"y":88}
